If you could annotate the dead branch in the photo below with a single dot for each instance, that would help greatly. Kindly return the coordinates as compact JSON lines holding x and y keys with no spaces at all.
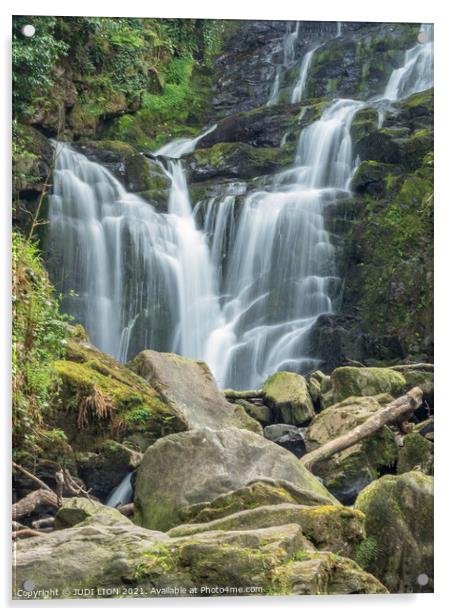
{"x":73,"y":486}
{"x":33,"y":500}
{"x":43,"y":523}
{"x":396,"y":412}
{"x":24,"y":471}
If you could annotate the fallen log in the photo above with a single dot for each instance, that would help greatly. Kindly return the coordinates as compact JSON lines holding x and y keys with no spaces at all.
{"x":397,"y":411}
{"x":43,"y":523}
{"x":24,"y":471}
{"x":24,"y":533}
{"x":33,"y":500}
{"x":232,"y":394}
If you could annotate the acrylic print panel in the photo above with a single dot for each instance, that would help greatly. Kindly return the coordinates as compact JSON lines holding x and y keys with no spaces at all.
{"x":223,"y":270}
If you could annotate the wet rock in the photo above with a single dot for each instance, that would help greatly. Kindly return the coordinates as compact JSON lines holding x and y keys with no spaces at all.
{"x":287,"y":436}
{"x":287,"y":394}
{"x":201,"y":465}
{"x":399,"y":525}
{"x":189,"y":388}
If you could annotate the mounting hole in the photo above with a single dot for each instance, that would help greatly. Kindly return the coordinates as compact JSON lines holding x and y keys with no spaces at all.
{"x":422,"y":579}
{"x":422,"y":37}
{"x":28,"y":30}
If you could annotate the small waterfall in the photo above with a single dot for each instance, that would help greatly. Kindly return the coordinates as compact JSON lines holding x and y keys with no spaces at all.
{"x":122,"y":494}
{"x":274,"y":94}
{"x":298,"y":91}
{"x":416,"y":74}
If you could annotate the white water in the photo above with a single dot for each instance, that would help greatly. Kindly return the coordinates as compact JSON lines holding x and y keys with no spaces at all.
{"x":299,"y":87}
{"x":244,"y":291}
{"x":122,"y":494}
{"x":416,"y":74}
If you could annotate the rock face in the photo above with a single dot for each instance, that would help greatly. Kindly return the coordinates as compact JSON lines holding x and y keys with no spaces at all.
{"x":287,"y":394}
{"x":190,"y":389}
{"x":200,"y":465}
{"x":347,"y":472}
{"x":123,"y":557}
{"x":399,"y":527}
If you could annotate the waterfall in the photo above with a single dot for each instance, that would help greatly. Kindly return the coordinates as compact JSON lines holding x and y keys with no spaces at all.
{"x":298,"y":90}
{"x":122,"y":494}
{"x":239,"y":286}
{"x":416,"y":74}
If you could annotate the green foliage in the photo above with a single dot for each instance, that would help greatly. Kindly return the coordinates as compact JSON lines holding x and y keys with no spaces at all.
{"x":38,"y":334}
{"x":366,"y":552}
{"x":33,"y":59}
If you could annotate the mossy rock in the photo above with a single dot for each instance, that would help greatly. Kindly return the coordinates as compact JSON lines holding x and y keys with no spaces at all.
{"x":100,"y":399}
{"x":259,"y":412}
{"x":82,"y":511}
{"x":399,"y":519}
{"x":255,"y":494}
{"x":236,"y":160}
{"x":288,"y":395}
{"x":416,"y":453}
{"x":333,"y":528}
{"x":370,"y":178}
{"x":348,"y":381}
{"x":346,"y":473}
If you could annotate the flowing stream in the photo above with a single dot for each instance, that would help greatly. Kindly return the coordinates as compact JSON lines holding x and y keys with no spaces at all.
{"x":243,"y":289}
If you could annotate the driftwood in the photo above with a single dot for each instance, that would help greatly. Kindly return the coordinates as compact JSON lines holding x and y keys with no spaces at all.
{"x":43,"y":523}
{"x":396,"y":412}
{"x":242,"y":395}
{"x":33,"y":500}
{"x":24,"y":533}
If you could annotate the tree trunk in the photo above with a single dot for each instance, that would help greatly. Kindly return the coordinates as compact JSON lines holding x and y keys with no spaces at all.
{"x":395,"y":412}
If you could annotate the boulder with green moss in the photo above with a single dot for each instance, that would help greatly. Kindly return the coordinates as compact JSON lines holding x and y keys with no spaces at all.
{"x":415,"y":453}
{"x":349,"y":381}
{"x":123,"y":558}
{"x":256,"y":493}
{"x":100,"y":399}
{"x":347,"y":472}
{"x":189,"y":388}
{"x":333,"y":528}
{"x":82,"y":511}
{"x":288,"y":395}
{"x":200,"y":465}
{"x":399,"y":522}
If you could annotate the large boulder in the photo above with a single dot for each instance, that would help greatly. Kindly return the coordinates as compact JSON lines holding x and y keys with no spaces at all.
{"x":287,"y":394}
{"x":121,"y":560}
{"x":346,"y":473}
{"x":189,"y":388}
{"x":101,"y":399}
{"x":329,"y":527}
{"x":399,"y":527}
{"x":349,"y":381}
{"x":200,"y":465}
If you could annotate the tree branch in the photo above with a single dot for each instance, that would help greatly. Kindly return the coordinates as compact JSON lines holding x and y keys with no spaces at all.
{"x":395,"y":412}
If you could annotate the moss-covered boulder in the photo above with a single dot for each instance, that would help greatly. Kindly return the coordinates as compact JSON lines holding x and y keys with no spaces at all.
{"x":189,"y":388}
{"x":81,"y":511}
{"x":348,"y":381}
{"x":288,"y":395}
{"x":256,"y":493}
{"x":346,"y":473}
{"x":200,"y":465}
{"x":399,"y":521}
{"x":236,"y":160}
{"x":333,"y":528}
{"x":100,"y":399}
{"x":415,"y":453}
{"x":258,"y":411}
{"x":323,"y":573}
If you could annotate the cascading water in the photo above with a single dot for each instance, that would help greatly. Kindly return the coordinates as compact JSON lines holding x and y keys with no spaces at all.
{"x":122,"y":494}
{"x":243,"y":291}
{"x":416,"y":74}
